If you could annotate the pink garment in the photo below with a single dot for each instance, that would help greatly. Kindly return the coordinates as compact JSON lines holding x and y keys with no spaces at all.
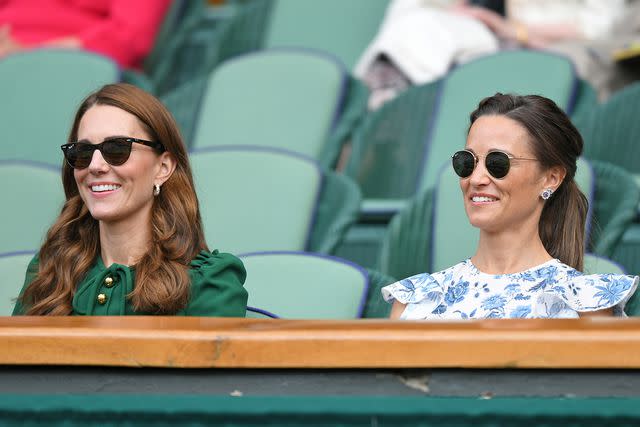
{"x":123,"y":30}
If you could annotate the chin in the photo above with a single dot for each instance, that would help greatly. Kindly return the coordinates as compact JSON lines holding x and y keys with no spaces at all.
{"x":104,"y":216}
{"x":481,"y":223}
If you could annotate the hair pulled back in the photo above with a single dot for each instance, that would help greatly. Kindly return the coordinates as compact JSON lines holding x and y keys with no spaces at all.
{"x":555,"y":142}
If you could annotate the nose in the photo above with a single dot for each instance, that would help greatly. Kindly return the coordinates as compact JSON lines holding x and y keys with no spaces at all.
{"x":480,"y":176}
{"x":98,"y":165}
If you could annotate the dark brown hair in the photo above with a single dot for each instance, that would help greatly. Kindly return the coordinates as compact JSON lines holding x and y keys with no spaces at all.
{"x":555,"y":142}
{"x":73,"y":242}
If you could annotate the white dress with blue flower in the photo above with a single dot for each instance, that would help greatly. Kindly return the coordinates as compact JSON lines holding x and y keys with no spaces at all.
{"x":549,"y":290}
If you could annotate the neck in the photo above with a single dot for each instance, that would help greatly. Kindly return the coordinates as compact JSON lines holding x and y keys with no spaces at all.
{"x":123,"y":243}
{"x":510,"y":251}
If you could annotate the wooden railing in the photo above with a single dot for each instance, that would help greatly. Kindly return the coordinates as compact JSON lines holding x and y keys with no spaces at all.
{"x":256,"y":343}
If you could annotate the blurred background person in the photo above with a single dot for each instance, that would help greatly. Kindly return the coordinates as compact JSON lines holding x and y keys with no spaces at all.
{"x":123,"y":30}
{"x":420,"y":40}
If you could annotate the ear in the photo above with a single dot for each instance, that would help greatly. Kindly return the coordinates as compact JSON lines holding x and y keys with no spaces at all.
{"x":554,"y":177}
{"x":167,"y":166}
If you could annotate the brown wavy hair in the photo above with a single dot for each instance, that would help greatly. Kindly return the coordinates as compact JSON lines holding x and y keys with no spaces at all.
{"x":72,"y":244}
{"x":555,"y":141}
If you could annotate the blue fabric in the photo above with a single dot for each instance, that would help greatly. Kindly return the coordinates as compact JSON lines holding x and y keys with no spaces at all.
{"x":549,"y":290}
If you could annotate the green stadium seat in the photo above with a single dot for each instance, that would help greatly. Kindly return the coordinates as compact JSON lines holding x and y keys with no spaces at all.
{"x":302,"y":285}
{"x":256,"y":199}
{"x":289,"y":99}
{"x":342,"y":28}
{"x":614,"y":130}
{"x":41,"y":90}
{"x":33,"y":197}
{"x":595,"y":264}
{"x":376,"y":307}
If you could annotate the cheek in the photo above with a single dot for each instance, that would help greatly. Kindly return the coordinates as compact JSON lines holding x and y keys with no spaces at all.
{"x":79,"y":175}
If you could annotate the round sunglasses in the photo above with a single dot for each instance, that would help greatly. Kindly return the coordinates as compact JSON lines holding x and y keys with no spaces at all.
{"x":497,"y":163}
{"x":115,"y":151}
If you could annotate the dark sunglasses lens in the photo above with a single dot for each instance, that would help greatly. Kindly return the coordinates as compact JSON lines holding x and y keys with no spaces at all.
{"x":79,"y":155}
{"x":116,"y":151}
{"x":497,"y":164}
{"x":463,"y":163}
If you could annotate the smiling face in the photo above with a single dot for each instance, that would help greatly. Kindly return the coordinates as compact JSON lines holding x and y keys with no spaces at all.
{"x":513,"y":202}
{"x":117,"y":194}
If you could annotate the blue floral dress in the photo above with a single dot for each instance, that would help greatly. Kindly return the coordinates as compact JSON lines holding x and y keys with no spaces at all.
{"x":549,"y":290}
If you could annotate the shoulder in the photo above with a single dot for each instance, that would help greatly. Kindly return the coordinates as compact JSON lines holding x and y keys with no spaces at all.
{"x":217,"y":285}
{"x":424,"y":285}
{"x":213,"y":263}
{"x":591,"y":292}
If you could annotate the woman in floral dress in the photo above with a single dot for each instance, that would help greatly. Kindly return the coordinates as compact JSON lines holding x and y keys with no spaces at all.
{"x":517,"y":180}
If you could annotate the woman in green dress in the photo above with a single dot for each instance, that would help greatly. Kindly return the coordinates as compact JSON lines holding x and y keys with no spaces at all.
{"x":129,"y":239}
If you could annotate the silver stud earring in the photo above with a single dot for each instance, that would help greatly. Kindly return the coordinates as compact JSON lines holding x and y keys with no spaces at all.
{"x":546,"y":194}
{"x":156,"y":189}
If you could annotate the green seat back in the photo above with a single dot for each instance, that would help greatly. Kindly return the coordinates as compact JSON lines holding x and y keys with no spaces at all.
{"x":13,"y":266}
{"x":303,"y":285}
{"x":41,"y":90}
{"x":614,"y":130}
{"x":616,"y":234}
{"x":33,"y":197}
{"x":342,"y":28}
{"x":376,"y":307}
{"x":255,"y":199}
{"x":338,"y":208}
{"x":279,"y":98}
{"x":522,"y":72}
{"x":383,"y":160}
{"x":454,"y":238}
{"x":595,"y":264}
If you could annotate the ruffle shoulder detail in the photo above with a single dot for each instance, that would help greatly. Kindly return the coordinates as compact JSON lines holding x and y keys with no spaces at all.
{"x":422,"y":293}
{"x":586,"y":292}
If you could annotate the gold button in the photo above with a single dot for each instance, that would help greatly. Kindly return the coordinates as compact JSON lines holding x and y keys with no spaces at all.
{"x":102,"y":298}
{"x":108,"y":282}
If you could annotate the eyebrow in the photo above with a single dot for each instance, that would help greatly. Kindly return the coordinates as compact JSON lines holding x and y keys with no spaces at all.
{"x":86,"y":141}
{"x":493,"y":150}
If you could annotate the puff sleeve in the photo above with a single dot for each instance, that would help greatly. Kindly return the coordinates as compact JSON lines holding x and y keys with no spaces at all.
{"x":217,"y":286}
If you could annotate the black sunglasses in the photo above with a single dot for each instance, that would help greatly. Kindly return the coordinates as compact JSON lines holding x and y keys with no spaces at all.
{"x":496,"y":162}
{"x":115,"y":151}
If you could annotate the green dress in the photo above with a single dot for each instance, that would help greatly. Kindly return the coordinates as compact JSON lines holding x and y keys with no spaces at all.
{"x":216,"y":288}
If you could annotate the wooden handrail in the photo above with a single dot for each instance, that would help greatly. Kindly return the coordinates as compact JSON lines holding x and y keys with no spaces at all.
{"x":198,"y":342}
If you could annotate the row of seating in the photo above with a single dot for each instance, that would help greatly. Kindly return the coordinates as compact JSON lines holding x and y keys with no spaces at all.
{"x":289,"y":284}
{"x":289,"y":99}
{"x":254,"y":201}
{"x":278,"y":206}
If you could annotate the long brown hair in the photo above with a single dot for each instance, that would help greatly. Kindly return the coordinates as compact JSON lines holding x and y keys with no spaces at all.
{"x":555,"y":142}
{"x":73,"y":242}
